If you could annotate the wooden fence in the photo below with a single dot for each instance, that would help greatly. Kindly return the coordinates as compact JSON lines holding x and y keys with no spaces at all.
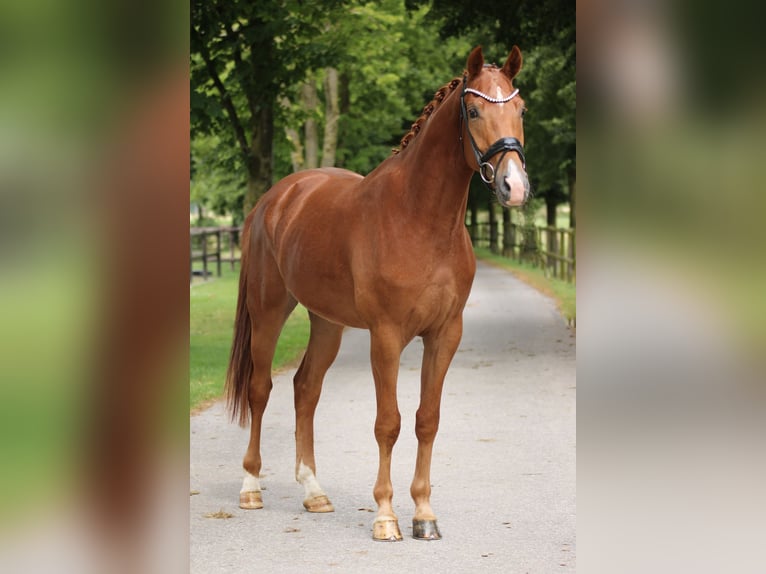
{"x":212,"y":244}
{"x":551,"y":248}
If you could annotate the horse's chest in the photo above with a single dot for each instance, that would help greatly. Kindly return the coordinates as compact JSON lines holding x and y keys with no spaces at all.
{"x":418,"y":293}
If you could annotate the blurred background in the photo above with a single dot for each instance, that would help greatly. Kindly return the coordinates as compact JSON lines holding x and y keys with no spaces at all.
{"x":671,"y":336}
{"x":94,"y":119}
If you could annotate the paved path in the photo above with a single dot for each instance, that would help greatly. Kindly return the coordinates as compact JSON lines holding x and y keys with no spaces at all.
{"x":503,"y":468}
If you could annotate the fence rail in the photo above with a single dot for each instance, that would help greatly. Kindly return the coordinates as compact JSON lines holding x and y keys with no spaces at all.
{"x":209,"y":244}
{"x":551,"y":248}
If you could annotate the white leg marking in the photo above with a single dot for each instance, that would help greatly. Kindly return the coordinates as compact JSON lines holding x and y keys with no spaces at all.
{"x":251,"y":483}
{"x":309,"y":482}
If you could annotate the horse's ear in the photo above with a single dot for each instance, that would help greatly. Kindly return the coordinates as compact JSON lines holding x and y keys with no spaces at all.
{"x":475,"y":62}
{"x":513,"y":63}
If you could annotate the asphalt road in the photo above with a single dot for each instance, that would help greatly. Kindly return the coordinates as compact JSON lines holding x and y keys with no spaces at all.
{"x":503,"y":469}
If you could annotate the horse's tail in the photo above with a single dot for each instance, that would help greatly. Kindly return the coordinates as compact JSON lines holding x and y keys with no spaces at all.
{"x":240,"y":369}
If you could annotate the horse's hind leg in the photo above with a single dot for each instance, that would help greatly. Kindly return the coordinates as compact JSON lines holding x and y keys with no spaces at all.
{"x":322,"y":349}
{"x":268,"y":318}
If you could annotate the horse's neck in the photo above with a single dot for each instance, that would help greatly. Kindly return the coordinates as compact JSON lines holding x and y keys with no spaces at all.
{"x":437,"y":184}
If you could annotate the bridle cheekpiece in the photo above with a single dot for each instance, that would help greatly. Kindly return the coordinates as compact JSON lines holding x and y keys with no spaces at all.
{"x":502,"y":146}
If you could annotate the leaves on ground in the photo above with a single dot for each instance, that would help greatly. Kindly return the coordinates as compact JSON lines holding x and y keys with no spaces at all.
{"x":220,"y":514}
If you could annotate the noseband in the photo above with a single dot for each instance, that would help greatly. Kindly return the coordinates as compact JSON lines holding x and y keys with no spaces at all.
{"x":501,"y":146}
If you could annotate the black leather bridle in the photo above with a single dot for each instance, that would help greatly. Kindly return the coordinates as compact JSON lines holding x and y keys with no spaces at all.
{"x":501,"y":146}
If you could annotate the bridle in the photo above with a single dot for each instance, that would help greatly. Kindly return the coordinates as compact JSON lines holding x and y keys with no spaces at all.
{"x":502,"y":146}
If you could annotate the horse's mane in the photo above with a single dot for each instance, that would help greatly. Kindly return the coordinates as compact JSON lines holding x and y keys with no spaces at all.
{"x":439,"y":96}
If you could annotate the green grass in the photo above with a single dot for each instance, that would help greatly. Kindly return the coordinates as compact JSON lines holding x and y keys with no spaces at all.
{"x":211,"y":327}
{"x":565,"y":294}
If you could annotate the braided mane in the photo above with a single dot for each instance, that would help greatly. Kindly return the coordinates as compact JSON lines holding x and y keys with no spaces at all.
{"x":439,"y":96}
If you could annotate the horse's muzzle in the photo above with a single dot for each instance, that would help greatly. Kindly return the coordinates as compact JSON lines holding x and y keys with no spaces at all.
{"x":512,"y":187}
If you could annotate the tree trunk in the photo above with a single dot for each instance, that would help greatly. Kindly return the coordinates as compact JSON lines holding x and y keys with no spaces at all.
{"x":492,"y":227}
{"x":344,"y":97}
{"x":507,"y":234}
{"x":310,"y":102}
{"x":296,"y":146}
{"x":296,"y":151}
{"x":528,"y":250}
{"x":473,"y":227}
{"x":260,"y":162}
{"x":572,"y":202}
{"x":550,"y":210}
{"x":332,"y":113}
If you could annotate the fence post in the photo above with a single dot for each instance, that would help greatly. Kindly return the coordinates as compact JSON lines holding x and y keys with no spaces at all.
{"x":572,"y":251}
{"x":510,"y":236}
{"x":512,"y":228}
{"x":218,"y":251}
{"x":204,"y":255}
{"x":492,"y":229}
{"x":231,"y":247}
{"x":550,"y":244}
{"x":563,"y":249}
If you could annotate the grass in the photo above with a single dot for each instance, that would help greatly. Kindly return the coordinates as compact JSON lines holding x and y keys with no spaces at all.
{"x":565,"y":294}
{"x":211,"y":327}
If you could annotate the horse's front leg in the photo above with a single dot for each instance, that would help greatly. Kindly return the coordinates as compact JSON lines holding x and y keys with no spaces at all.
{"x":386,"y":348}
{"x":439,"y":348}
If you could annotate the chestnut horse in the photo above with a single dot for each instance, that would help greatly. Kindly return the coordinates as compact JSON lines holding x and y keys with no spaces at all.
{"x":388,"y":252}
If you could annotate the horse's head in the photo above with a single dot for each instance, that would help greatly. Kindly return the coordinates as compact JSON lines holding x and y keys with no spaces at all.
{"x":491,"y":112}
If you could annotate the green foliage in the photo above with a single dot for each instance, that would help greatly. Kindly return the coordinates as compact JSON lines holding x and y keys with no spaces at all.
{"x":217,"y":176}
{"x":393,"y":69}
{"x":392,"y":56}
{"x":550,"y":122}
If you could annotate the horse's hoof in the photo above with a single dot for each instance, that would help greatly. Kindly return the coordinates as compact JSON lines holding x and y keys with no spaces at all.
{"x":250,"y":500}
{"x":425,"y":530}
{"x":386,"y":530}
{"x":318,"y":504}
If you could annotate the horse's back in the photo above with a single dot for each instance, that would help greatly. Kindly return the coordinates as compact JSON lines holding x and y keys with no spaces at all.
{"x":309,"y":181}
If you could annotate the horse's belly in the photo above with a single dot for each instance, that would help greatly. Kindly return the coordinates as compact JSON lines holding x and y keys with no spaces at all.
{"x":328,"y":302}
{"x":324,"y":286}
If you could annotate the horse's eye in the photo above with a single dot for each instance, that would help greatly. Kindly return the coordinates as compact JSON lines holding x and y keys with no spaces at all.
{"x":473,"y":113}
{"x":523,"y":112}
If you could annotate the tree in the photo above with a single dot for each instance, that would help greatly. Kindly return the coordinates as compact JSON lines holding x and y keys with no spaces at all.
{"x":550,"y":124}
{"x":289,"y":86}
{"x":389,"y":64}
{"x":216,"y":177}
{"x":243,"y":56}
